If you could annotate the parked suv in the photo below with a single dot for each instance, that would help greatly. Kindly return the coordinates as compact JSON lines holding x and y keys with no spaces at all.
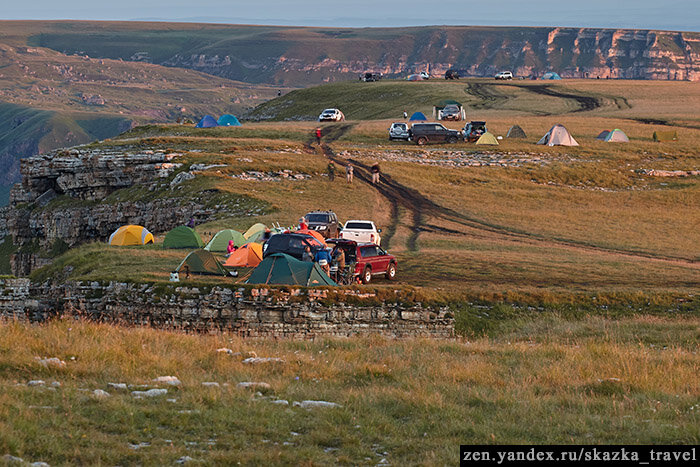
{"x":473,"y":131}
{"x":398,"y":130}
{"x":363,"y":261}
{"x":325,"y":222}
{"x":361,"y":231}
{"x":424,"y":133}
{"x":504,"y":75}
{"x":452,"y":112}
{"x":331,"y":115}
{"x":292,"y":244}
{"x":369,"y":77}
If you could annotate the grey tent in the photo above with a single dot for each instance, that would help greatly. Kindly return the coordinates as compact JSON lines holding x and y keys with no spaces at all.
{"x":516,"y":132}
{"x":558,"y":135}
{"x":615,"y":136}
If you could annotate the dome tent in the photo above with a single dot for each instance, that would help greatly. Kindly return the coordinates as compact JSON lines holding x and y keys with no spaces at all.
{"x":202,"y":262}
{"x":219,"y":242}
{"x":418,"y":117}
{"x":130,"y":235}
{"x":247,"y":256}
{"x":228,"y":120}
{"x":255,"y":233}
{"x":207,"y":122}
{"x":551,"y":75}
{"x":182,"y":237}
{"x":558,"y":135}
{"x":487,"y":138}
{"x":614,"y":136}
{"x":279,"y":268}
{"x":516,"y":132}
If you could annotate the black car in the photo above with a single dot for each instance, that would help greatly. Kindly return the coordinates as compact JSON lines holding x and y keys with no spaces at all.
{"x":424,"y":133}
{"x":291,"y":244}
{"x":369,"y":77}
{"x":325,"y":222}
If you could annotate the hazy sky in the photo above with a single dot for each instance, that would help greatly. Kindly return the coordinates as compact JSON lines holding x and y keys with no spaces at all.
{"x":654,"y":14}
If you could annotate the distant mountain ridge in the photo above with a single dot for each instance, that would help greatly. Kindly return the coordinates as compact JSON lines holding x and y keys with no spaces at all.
{"x":297,"y":56}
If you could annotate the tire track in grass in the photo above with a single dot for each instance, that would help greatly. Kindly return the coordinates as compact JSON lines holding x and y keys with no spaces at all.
{"x":420,"y":207}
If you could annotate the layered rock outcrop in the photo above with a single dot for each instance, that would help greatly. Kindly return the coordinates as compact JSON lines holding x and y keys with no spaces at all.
{"x":258,"y":313}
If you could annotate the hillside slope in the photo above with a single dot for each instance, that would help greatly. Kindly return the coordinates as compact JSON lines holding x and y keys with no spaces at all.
{"x":301,"y":56}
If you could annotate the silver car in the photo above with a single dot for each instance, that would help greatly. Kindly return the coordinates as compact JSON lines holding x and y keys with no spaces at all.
{"x":398,"y":130}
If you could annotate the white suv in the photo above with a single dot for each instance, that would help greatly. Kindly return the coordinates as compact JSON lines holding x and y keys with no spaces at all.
{"x":398,"y":130}
{"x":331,"y":115}
{"x":505,"y":75}
{"x":361,"y":232}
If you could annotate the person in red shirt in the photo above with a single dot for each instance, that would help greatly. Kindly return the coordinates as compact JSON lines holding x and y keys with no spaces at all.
{"x":318,"y":136}
{"x":302,"y":224}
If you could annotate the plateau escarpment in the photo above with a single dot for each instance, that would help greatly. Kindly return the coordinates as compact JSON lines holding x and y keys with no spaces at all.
{"x":303,"y":56}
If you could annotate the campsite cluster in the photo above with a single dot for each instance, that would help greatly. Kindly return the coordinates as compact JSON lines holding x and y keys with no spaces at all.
{"x":275,"y":255}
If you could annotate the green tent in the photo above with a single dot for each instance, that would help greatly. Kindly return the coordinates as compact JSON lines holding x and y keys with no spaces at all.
{"x":516,"y":132}
{"x":487,"y":138}
{"x":202,"y":262}
{"x":228,"y":120}
{"x":219,"y":242}
{"x":279,"y":268}
{"x":182,"y":237}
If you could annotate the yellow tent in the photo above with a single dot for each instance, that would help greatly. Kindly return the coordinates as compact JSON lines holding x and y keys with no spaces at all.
{"x":255,"y":232}
{"x":487,"y":138}
{"x":130,"y":235}
{"x":247,"y":256}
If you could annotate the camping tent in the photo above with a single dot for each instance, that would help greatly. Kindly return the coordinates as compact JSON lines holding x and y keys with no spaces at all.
{"x":665,"y":136}
{"x":279,"y":268}
{"x":228,"y":120}
{"x":615,"y":136}
{"x":416,"y":77}
{"x":558,"y":136}
{"x":202,"y":262}
{"x":206,"y":122}
{"x":551,"y":75}
{"x":418,"y":117}
{"x":219,"y":242}
{"x":255,"y":232}
{"x":487,"y":138}
{"x":516,"y":132}
{"x":247,"y":256}
{"x":182,"y":237}
{"x":130,"y":235}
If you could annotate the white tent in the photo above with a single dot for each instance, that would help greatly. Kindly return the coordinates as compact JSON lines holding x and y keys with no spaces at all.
{"x":558,"y":136}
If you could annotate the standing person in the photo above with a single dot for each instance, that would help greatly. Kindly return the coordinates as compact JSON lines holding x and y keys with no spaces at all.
{"x":190,"y":223}
{"x":405,"y":115}
{"x":303,"y":225}
{"x":331,"y":171}
{"x":323,"y":258}
{"x":349,"y":172}
{"x":318,"y":135}
{"x":375,"y":173}
{"x":279,"y":93}
{"x":339,"y":258}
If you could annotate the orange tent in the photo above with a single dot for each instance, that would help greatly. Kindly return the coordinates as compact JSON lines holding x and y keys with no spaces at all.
{"x":314,"y":234}
{"x":247,"y":256}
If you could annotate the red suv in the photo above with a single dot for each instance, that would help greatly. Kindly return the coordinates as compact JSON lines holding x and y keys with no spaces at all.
{"x":362,"y":261}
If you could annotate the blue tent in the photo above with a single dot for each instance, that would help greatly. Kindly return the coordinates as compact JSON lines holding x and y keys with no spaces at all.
{"x":418,"y":117}
{"x":551,"y":75}
{"x":228,"y":120}
{"x":206,"y":122}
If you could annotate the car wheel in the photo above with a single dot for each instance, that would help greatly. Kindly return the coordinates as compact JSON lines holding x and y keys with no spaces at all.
{"x":391,"y":272}
{"x":422,"y":141}
{"x":452,"y":139}
{"x":367,"y":275}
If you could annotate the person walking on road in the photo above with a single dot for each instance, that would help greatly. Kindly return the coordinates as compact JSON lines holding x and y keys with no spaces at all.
{"x":318,"y":135}
{"x":349,"y":172}
{"x":375,"y":174}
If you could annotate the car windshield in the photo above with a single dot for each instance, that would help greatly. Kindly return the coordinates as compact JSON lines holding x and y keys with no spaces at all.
{"x":359,"y":226}
{"x":329,"y":111}
{"x":318,"y":218}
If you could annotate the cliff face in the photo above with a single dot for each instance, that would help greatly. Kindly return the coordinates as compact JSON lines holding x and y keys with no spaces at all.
{"x":572,"y":52}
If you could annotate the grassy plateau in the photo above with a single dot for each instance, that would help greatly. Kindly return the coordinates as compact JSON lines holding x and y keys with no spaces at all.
{"x":574,"y":273}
